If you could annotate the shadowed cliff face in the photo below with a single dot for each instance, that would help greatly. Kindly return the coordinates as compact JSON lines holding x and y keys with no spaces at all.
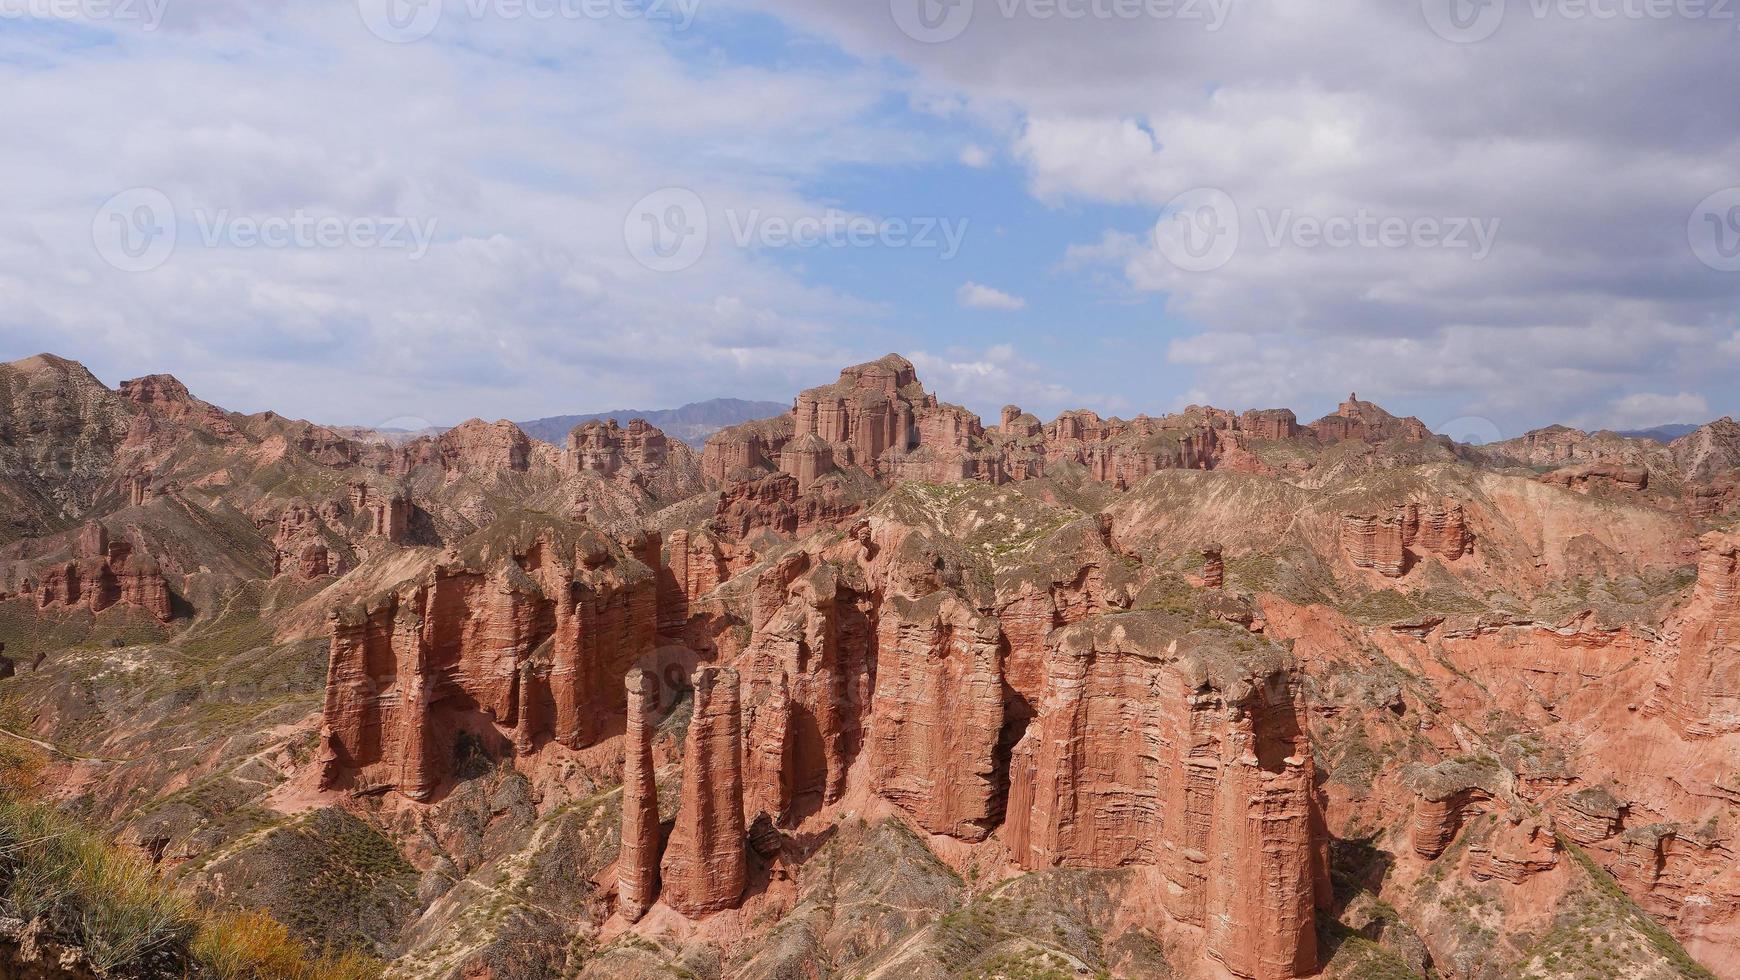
{"x":872,"y":689}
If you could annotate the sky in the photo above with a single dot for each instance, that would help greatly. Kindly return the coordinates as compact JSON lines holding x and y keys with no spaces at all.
{"x":1492,"y":214}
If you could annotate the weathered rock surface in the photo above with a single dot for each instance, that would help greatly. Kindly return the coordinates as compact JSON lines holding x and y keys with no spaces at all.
{"x":1703,"y":697}
{"x":706,"y":862}
{"x":511,"y":648}
{"x":637,"y":875}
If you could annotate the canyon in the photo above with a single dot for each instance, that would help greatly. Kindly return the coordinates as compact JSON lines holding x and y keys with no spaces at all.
{"x":871,"y":688}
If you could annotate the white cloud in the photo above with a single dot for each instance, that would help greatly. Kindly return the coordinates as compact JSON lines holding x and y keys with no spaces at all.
{"x":975,"y":296}
{"x":975,"y":156}
{"x":527,"y":148}
{"x":1644,"y":410}
{"x":988,"y":379}
{"x":1336,"y":109}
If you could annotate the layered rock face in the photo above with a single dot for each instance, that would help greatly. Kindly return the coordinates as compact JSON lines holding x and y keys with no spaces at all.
{"x":637,"y":879}
{"x":459,"y":651}
{"x":879,"y":420}
{"x":1390,"y":544}
{"x":1366,"y":422}
{"x":937,"y":714}
{"x":102,"y":574}
{"x":706,"y":862}
{"x":609,"y":449}
{"x":1180,"y":752}
{"x":1703,"y":697}
{"x":475,"y":446}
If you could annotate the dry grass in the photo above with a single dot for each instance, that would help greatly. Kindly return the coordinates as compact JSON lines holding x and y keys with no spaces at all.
{"x":255,"y":946}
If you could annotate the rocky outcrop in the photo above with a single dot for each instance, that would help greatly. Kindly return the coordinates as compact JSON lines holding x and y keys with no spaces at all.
{"x":1602,"y":476}
{"x":938,"y":714}
{"x":386,"y":514}
{"x":1156,"y":745}
{"x":1390,"y":544}
{"x":1450,"y":794}
{"x":637,"y":875}
{"x":508,"y":648}
{"x":1702,"y":699}
{"x":706,"y":862}
{"x":608,"y":449}
{"x":474,"y":446}
{"x":1589,"y":816}
{"x":1513,"y":848}
{"x":1376,"y":543}
{"x":101,"y":575}
{"x":1366,"y":422}
{"x":1444,"y":531}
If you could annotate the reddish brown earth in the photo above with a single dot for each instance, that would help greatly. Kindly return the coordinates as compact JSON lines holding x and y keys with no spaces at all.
{"x":874,"y":690}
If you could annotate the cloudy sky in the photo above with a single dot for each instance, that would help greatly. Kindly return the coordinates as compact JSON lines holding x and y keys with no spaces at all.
{"x":1493,"y":215}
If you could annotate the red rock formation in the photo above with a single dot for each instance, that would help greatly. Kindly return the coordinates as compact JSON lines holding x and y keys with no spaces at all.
{"x":637,"y":876}
{"x":807,"y":458}
{"x":1213,"y":567}
{"x":388,"y":514}
{"x":1154,"y":745}
{"x":1272,"y":423}
{"x":101,"y":575}
{"x":1444,"y":531}
{"x":474,"y":446}
{"x":937,"y":714}
{"x":706,"y":862}
{"x":1611,"y":476}
{"x":1450,"y":794}
{"x":1376,"y":543}
{"x":1703,"y":698}
{"x":607,"y":448}
{"x":453,"y":652}
{"x":1589,"y":816}
{"x":1514,"y":848}
{"x":1365,"y":422}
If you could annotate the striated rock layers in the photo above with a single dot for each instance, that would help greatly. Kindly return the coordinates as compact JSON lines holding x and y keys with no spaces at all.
{"x":937,"y":714}
{"x":511,"y":647}
{"x":878,"y":420}
{"x":706,"y":863}
{"x":1160,"y":746}
{"x":1703,"y":697}
{"x":637,"y":880}
{"x":1391,"y":544}
{"x":100,"y":575}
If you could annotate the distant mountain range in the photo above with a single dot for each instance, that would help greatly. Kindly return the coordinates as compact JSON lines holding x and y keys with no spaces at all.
{"x":692,"y":423}
{"x":1663,"y":433}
